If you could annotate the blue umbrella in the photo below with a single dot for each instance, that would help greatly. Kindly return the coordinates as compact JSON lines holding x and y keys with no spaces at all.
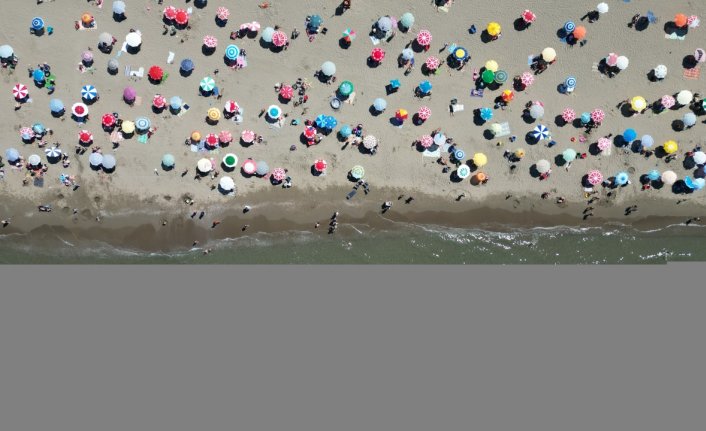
{"x":175,"y":102}
{"x":38,"y":128}
{"x":89,"y":92}
{"x":460,"y":53}
{"x":142,"y":123}
{"x":380,"y":104}
{"x":168,"y":160}
{"x":459,"y":155}
{"x":12,"y":155}
{"x":647,"y":141}
{"x":689,"y":182}
{"x":585,"y":118}
{"x":330,"y":122}
{"x":119,"y":7}
{"x":629,"y":135}
{"x":486,"y":113}
{"x":621,"y":178}
{"x":425,"y":86}
{"x":6,"y":51}
{"x":439,"y":139}
{"x":37,"y":23}
{"x":315,"y":22}
{"x":569,"y":26}
{"x":38,"y":75}
{"x":654,"y":175}
{"x":321,"y":121}
{"x":187,"y":65}
{"x":345,"y":131}
{"x":570,"y":82}
{"x":699,"y":183}
{"x":232,"y":52}
{"x":541,"y":132}
{"x":56,"y":105}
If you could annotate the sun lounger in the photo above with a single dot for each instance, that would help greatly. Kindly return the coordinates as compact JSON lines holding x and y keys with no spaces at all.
{"x":477,"y":93}
{"x":457,"y":108}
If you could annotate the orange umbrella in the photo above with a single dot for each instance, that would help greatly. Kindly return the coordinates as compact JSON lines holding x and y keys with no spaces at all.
{"x":508,"y":95}
{"x":479,"y":178}
{"x":580,"y":32}
{"x":87,"y":19}
{"x":680,"y":20}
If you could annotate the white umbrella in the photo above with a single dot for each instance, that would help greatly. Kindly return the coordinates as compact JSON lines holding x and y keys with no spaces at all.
{"x":204,"y":165}
{"x":689,"y":119}
{"x":622,"y":62}
{"x":133,"y":39}
{"x":105,"y":38}
{"x":328,"y":68}
{"x":34,"y":160}
{"x":685,"y":97}
{"x":370,"y":142}
{"x":661,"y":71}
{"x":543,"y":166}
{"x":95,"y":159}
{"x":699,"y":157}
{"x":669,"y":177}
{"x":226,"y":184}
{"x":602,"y":8}
{"x":267,"y":34}
{"x":536,"y":111}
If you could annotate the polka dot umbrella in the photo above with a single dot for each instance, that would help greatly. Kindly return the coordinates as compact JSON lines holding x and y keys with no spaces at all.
{"x":370,"y":142}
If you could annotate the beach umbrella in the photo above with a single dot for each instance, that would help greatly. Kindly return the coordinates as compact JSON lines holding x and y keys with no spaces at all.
{"x":486,"y":114}
{"x":232,"y":52}
{"x":579,"y":32}
{"x":684,"y":97}
{"x":108,"y":120}
{"x":222,"y":13}
{"x":211,"y":140}
{"x":693,"y":21}
{"x":377,"y":54}
{"x":629,"y":135}
{"x":612,"y":59}
{"x":700,"y":55}
{"x":491,"y":65}
{"x":210,"y":41}
{"x":622,"y":62}
{"x":621,"y":178}
{"x":541,"y":132}
{"x":207,"y":84}
{"x":401,"y":114}
{"x":204,"y":165}
{"x":20,"y":91}
{"x":432,"y":63}
{"x":570,"y":82}
{"x":569,"y":26}
{"x":480,"y":177}
{"x":6,"y":51}
{"x":119,"y":7}
{"x":226,"y":184}
{"x":407,"y":20}
{"x":426,"y":141}
{"x":425,"y":87}
{"x":213,"y":114}
{"x":274,"y":112}
{"x":698,"y":183}
{"x":424,"y":113}
{"x":105,"y":38}
{"x":12,"y":155}
{"x":34,"y":160}
{"x":370,"y":142}
{"x":602,"y":8}
{"x":638,"y":103}
{"x":170,"y":13}
{"x":95,"y":159}
{"x":507,"y":95}
{"x":159,"y":101}
{"x":488,"y":76}
{"x":113,"y":64}
{"x":278,"y":174}
{"x":536,"y":111}
{"x":380,"y":104}
{"x":459,"y":155}
{"x":585,"y":118}
{"x":196,"y":136}
{"x":699,"y":157}
{"x":38,"y":128}
{"x":345,"y":131}
{"x":439,"y":139}
{"x":493,"y":29}
{"x":680,"y":20}
{"x":79,"y":110}
{"x":519,"y":153}
{"x":647,"y":141}
{"x":315,"y":22}
{"x":357,"y":172}
{"x":167,"y":160}
{"x":660,"y":71}
{"x":568,"y":115}
{"x":175,"y":102}
{"x":279,"y":39}
{"x":247,"y":136}
{"x":108,"y":162}
{"x":128,"y":127}
{"x":543,"y":166}
{"x":267,"y":34}
{"x":384,"y":24}
{"x":129,"y":93}
{"x":569,"y":155}
{"x":670,"y":147}
{"x":407,"y":54}
{"x":548,"y":54}
{"x":310,"y":132}
{"x":249,"y":166}
{"x":56,"y":105}
{"x":424,"y":37}
{"x":261,"y":168}
{"x":667,"y":101}
{"x":230,"y":160}
{"x":225,"y":137}
{"x":500,"y":76}
{"x":460,"y":53}
{"x":187,"y":65}
{"x":142,"y":123}
{"x":463,"y":172}
{"x":595,"y":177}
{"x":87,"y":57}
{"x":231,"y":106}
{"x":88,"y":92}
{"x":603,"y":144}
{"x":181,"y":17}
{"x":527,"y":79}
{"x":669,"y":177}
{"x":85,"y":137}
{"x":37,"y":23}
{"x":38,"y":75}
{"x":348,"y":35}
{"x":653,"y":175}
{"x":133,"y":39}
{"x":689,"y":119}
{"x":328,"y":68}
{"x":286,"y":92}
{"x":345,"y":89}
{"x":480,"y":159}
{"x":26,"y":133}
{"x":528,"y":16}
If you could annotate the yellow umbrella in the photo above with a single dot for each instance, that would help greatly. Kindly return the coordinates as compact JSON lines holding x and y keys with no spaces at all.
{"x":214,"y":114}
{"x":493,"y":29}
{"x":638,"y":103}
{"x":128,"y":126}
{"x":491,"y":65}
{"x":480,"y":159}
{"x":519,"y":153}
{"x":196,"y":136}
{"x":670,"y":147}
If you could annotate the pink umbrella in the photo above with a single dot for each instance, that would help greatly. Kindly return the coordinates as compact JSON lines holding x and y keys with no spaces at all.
{"x":309,"y":132}
{"x":279,"y":39}
{"x":87,"y":56}
{"x":424,"y":113}
{"x":245,"y":26}
{"x":377,"y":54}
{"x":247,"y":136}
{"x":27,"y":132}
{"x":249,"y":166}
{"x":528,"y":16}
{"x":231,"y":106}
{"x":129,"y":93}
{"x":668,"y":101}
{"x":254,"y":26}
{"x":568,"y":115}
{"x":426,"y":141}
{"x":693,"y":21}
{"x":597,"y":115}
{"x":170,"y":13}
{"x":222,"y":13}
{"x":211,"y":140}
{"x":85,"y":136}
{"x":320,"y":165}
{"x":595,"y":177}
{"x":286,"y":92}
{"x":612,"y":59}
{"x":210,"y":41}
{"x":527,"y":79}
{"x":432,"y":63}
{"x":181,"y":17}
{"x":225,"y":136}
{"x":424,"y":37}
{"x":159,"y":101}
{"x":603,"y":144}
{"x":20,"y":91}
{"x":278,"y":174}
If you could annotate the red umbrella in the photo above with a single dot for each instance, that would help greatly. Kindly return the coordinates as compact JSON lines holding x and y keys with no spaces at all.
{"x":309,"y":132}
{"x":225,"y":137}
{"x":432,"y":63}
{"x":211,"y":140}
{"x":568,"y":115}
{"x":278,"y":174}
{"x":595,"y":177}
{"x":159,"y":101}
{"x":597,"y":115}
{"x":527,"y":79}
{"x":231,"y":106}
{"x":181,"y":17}
{"x":222,"y":13}
{"x":279,"y":39}
{"x":287,"y":92}
{"x":424,"y":37}
{"x":320,"y":165}
{"x":247,"y":136}
{"x":249,"y":166}
{"x":508,"y":95}
{"x":85,"y":136}
{"x":108,"y":120}
{"x":424,"y":113}
{"x":426,"y":141}
{"x":156,"y":73}
{"x":170,"y":13}
{"x":210,"y":41}
{"x":603,"y":144}
{"x":377,"y":54}
{"x":20,"y":91}
{"x":401,"y":114}
{"x":528,"y":16}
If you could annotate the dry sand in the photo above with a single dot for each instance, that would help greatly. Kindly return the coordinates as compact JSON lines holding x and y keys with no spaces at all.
{"x":397,"y":168}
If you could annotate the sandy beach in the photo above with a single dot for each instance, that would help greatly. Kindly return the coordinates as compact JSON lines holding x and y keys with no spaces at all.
{"x":129,"y":205}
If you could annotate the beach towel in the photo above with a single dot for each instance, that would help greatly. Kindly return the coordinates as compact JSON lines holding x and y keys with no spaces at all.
{"x":443,"y":9}
{"x":170,"y":58}
{"x":477,"y":93}
{"x":184,"y":109}
{"x":457,"y":108}
{"x":436,"y":153}
{"x":694,"y":73}
{"x":143,"y":139}
{"x":82,"y":28}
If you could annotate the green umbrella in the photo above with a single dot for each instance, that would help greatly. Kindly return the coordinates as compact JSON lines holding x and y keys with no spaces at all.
{"x":357,"y":172}
{"x":569,"y":155}
{"x":488,"y":76}
{"x":500,"y":76}
{"x":703,"y":104}
{"x":407,"y":20}
{"x":167,"y":160}
{"x":207,"y":84}
{"x":346,"y":88}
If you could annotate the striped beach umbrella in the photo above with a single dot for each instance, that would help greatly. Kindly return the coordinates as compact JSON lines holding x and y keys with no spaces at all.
{"x":142,"y":123}
{"x":377,"y":54}
{"x":569,"y":26}
{"x":432,"y":63}
{"x":541,"y":132}
{"x":231,"y":106}
{"x":527,"y":79}
{"x":225,"y":137}
{"x":570,"y":82}
{"x":597,"y":116}
{"x":595,"y":177}
{"x":247,"y":136}
{"x":603,"y":144}
{"x":26,"y":133}
{"x":222,"y":13}
{"x":211,"y":140}
{"x":20,"y":91}
{"x":568,"y":115}
{"x":52,"y":153}
{"x":486,"y":114}
{"x":108,"y":120}
{"x":181,"y":17}
{"x":528,"y":16}
{"x":309,"y":133}
{"x":279,"y":39}
{"x":232,"y":52}
{"x":159,"y":101}
{"x":37,"y":23}
{"x":85,"y":137}
{"x":207,"y":84}
{"x":500,"y":76}
{"x":170,"y":13}
{"x":320,"y":165}
{"x":424,"y":113}
{"x":278,"y":174}
{"x":89,"y":92}
{"x":426,"y":141}
{"x":345,"y":89}
{"x":667,"y":101}
{"x":348,"y":35}
{"x":424,"y":37}
{"x":286,"y":92}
